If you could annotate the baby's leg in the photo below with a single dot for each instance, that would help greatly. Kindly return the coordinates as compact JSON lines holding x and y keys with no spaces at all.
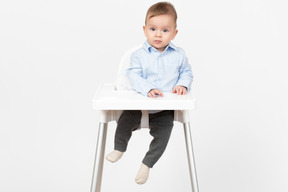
{"x":128,"y":122}
{"x":161,"y":125}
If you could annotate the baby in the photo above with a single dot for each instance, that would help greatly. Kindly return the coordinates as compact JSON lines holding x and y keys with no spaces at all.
{"x":156,"y":68}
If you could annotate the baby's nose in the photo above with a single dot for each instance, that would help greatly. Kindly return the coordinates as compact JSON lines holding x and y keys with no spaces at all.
{"x":158,"y":33}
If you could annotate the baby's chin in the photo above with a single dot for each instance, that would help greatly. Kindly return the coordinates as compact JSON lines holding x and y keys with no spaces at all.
{"x":160,"y":48}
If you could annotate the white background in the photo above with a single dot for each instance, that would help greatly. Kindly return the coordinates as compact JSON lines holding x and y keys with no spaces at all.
{"x":54,"y":54}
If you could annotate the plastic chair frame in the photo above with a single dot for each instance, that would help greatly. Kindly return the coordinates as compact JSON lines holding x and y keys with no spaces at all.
{"x":106,"y":116}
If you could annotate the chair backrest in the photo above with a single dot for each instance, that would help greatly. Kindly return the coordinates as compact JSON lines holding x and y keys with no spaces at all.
{"x":121,"y":81}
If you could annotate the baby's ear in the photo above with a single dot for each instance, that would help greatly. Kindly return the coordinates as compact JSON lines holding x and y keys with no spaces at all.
{"x":144,"y":30}
{"x":175,"y":33}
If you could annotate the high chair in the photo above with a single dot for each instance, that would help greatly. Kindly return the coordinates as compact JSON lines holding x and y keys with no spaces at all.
{"x":111,"y":99}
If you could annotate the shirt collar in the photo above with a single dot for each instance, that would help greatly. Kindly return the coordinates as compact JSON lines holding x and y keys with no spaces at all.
{"x":148,"y":47}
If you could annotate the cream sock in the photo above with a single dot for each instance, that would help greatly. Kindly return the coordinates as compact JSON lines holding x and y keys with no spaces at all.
{"x":142,"y":175}
{"x":114,"y":156}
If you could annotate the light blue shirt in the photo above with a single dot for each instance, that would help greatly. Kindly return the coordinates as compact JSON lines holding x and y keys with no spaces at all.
{"x":150,"y":69}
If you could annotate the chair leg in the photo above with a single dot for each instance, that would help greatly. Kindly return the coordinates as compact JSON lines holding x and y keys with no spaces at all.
{"x":99,"y":158}
{"x":191,"y":160}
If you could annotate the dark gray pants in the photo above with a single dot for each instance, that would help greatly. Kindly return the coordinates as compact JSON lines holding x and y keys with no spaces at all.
{"x":160,"y":124}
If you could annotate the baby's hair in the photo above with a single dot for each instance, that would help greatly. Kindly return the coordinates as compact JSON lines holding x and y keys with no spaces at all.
{"x":161,"y":8}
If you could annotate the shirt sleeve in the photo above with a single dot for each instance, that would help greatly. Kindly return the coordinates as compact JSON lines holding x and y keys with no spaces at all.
{"x":185,"y":74}
{"x":136,"y":77}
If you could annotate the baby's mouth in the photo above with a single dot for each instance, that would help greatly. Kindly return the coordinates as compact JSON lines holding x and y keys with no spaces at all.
{"x":157,"y":41}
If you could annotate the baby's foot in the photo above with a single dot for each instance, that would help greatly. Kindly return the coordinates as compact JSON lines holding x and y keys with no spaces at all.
{"x":143,"y":174}
{"x":114,"y":156}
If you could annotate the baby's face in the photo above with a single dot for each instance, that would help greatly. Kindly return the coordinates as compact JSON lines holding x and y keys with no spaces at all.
{"x":160,"y":30}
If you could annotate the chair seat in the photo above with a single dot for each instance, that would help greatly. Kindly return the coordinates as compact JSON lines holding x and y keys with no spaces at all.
{"x":112,"y":102}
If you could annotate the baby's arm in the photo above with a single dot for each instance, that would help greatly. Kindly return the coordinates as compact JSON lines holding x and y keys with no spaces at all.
{"x":135,"y":76}
{"x":185,"y":77}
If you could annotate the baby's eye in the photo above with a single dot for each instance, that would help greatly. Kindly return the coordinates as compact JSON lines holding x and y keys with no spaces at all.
{"x":165,"y":30}
{"x":152,"y":29}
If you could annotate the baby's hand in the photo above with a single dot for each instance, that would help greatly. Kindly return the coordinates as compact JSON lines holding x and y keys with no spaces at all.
{"x":154,"y":92}
{"x":180,"y":90}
